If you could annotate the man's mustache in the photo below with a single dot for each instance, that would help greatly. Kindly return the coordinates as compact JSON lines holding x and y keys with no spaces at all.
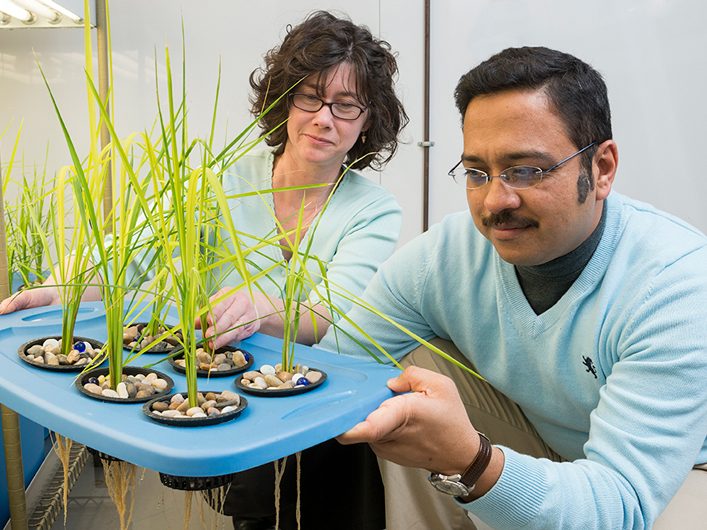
{"x":507,"y":218}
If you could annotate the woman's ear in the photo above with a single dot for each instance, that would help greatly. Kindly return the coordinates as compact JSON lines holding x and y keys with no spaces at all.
{"x":604,"y":165}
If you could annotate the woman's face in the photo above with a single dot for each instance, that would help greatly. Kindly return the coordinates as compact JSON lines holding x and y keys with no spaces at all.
{"x":319,"y":137}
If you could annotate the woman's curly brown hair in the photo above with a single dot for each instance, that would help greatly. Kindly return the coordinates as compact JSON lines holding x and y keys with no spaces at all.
{"x":314,"y":47}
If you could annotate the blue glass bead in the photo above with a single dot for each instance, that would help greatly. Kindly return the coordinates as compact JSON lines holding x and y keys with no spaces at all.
{"x":303,"y":381}
{"x":93,"y":380}
{"x":246,"y":355}
{"x":80,"y":346}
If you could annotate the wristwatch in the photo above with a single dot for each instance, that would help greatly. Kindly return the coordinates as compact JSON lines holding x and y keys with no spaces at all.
{"x":461,"y":485}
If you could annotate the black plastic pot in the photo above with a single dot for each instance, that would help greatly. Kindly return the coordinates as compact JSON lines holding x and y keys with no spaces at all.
{"x":214,"y":373}
{"x":281,"y":392}
{"x":103,"y":456}
{"x":193,"y":422}
{"x":169,"y":340}
{"x":195,"y":483}
{"x":128,"y":370}
{"x":21,"y":352}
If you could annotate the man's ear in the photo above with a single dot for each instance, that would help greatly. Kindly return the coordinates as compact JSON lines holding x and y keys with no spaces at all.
{"x":604,"y":165}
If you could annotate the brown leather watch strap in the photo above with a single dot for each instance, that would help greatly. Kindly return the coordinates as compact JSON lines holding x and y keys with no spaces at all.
{"x":471,"y":476}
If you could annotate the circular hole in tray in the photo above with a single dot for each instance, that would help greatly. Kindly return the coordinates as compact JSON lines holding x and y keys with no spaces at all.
{"x":193,"y":422}
{"x":215,"y":373}
{"x":21,"y":352}
{"x":195,"y":483}
{"x":282,"y":392}
{"x":171,"y":341}
{"x":127,"y":370}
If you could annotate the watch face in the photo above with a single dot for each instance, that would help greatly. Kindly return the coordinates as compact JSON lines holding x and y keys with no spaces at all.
{"x":449,"y":485}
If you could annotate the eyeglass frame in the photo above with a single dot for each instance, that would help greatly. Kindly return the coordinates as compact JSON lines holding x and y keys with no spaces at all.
{"x":330,"y":104}
{"x":541,"y":172}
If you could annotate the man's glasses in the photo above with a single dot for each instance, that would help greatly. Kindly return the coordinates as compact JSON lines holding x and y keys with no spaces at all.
{"x":311,"y":103}
{"x":518,"y":177}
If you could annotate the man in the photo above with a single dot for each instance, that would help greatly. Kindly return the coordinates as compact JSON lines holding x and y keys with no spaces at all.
{"x":583,"y":310}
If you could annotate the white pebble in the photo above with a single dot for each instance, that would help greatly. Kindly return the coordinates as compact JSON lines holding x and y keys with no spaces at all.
{"x":177,"y":398}
{"x":122,"y":390}
{"x":267,"y":369}
{"x":229,"y":408}
{"x":194,"y":410}
{"x":159,"y":384}
{"x":50,"y":344}
{"x":260,"y":382}
{"x":109,"y":392}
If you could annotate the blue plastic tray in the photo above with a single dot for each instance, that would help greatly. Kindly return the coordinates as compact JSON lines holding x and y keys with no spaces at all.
{"x":269,"y":428}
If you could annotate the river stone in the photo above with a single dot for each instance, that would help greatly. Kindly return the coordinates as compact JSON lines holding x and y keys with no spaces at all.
{"x":143,"y":394}
{"x":177,"y":398}
{"x":160,"y":384}
{"x":272,"y":380}
{"x":109,"y":392}
{"x":51,"y":359}
{"x":212,"y":411}
{"x":73,"y":357}
{"x":224,"y":367}
{"x":35,"y":350}
{"x":313,"y":376}
{"x":219,"y":358}
{"x":284,"y":376}
{"x":267,"y":369}
{"x":238,"y":359}
{"x":227,"y":395}
{"x":193,"y":410}
{"x":170,"y":413}
{"x":160,"y":406}
{"x":251,"y":375}
{"x":122,"y":390}
{"x":93,"y":389}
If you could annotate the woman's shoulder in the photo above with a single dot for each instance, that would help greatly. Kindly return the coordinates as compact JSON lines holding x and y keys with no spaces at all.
{"x":250,"y":169}
{"x":358,"y":189}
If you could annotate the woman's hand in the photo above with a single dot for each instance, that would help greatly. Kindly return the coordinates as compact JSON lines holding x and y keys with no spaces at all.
{"x":47,"y":294}
{"x":232,"y":319}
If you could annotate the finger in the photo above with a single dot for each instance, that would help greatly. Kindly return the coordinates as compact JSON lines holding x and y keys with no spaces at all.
{"x":16,"y":302}
{"x":380,"y":424}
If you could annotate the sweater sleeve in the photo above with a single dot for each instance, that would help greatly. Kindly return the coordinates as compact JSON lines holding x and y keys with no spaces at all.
{"x":646,"y":432}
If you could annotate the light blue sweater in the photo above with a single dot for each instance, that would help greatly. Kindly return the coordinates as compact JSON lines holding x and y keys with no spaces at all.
{"x":637,"y":315}
{"x":357,"y":231}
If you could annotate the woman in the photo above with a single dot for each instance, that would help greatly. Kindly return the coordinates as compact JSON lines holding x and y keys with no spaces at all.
{"x":335,"y":81}
{"x":342,"y":111}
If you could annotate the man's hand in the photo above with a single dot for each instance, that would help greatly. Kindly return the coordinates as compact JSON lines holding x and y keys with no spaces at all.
{"x":232,"y":319}
{"x":427,"y":427}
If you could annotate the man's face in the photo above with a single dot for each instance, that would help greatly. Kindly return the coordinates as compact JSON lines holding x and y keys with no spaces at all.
{"x":534,"y":225}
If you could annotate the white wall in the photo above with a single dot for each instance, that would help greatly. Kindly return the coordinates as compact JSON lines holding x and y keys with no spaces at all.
{"x":652,"y":56}
{"x":234,"y":33}
{"x":651,"y":53}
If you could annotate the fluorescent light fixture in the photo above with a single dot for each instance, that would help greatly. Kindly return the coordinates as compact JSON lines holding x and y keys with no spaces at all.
{"x":15,"y":14}
{"x":13,"y":10}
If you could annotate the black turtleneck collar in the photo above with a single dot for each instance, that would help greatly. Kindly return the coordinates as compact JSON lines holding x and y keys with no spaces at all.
{"x":544,"y":284}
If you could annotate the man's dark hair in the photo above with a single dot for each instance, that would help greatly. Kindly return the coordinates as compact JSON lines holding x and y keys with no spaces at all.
{"x":575,"y":90}
{"x":316,"y":46}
